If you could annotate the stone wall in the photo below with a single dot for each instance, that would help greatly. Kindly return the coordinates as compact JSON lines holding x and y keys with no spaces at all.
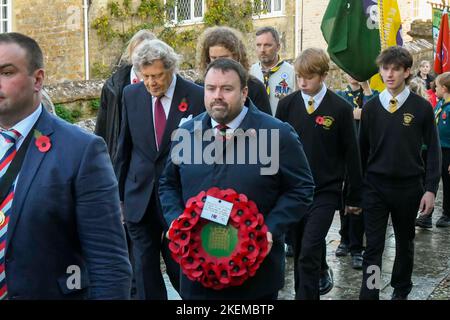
{"x":58,"y":28}
{"x":421,"y":29}
{"x":101,"y":53}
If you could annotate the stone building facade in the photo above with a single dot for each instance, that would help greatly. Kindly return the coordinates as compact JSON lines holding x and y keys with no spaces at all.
{"x":59,"y":26}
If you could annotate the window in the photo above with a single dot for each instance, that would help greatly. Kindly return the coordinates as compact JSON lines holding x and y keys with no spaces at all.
{"x":5,"y":16}
{"x":187,"y":11}
{"x":421,"y":9}
{"x":269,"y":7}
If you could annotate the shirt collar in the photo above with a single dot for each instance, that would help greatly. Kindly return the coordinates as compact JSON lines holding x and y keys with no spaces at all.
{"x":236,"y":122}
{"x":133,"y":75}
{"x":317,"y":98}
{"x":25,"y":125}
{"x":385,"y":97}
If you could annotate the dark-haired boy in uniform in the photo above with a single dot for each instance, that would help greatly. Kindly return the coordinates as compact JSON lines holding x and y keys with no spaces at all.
{"x":326,"y":128}
{"x":392,"y":130}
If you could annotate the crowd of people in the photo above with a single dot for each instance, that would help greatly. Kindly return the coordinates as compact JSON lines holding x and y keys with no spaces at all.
{"x":369,"y":155}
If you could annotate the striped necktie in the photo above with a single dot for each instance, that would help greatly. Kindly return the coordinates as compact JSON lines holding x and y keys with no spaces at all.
{"x":393,"y":105}
{"x":222,"y":132}
{"x":10,"y":136}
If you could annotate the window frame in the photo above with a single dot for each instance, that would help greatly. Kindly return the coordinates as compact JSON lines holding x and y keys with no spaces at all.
{"x":192,"y":19}
{"x":272,"y":13}
{"x":8,"y":17}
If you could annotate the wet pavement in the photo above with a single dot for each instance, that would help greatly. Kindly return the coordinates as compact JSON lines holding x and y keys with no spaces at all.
{"x":431,"y":274}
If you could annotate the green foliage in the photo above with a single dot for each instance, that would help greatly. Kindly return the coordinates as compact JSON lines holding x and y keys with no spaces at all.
{"x":94,"y":104}
{"x":65,"y":113}
{"x":122,"y":20}
{"x":100,"y":70}
{"x":104,"y":29}
{"x":228,"y":13}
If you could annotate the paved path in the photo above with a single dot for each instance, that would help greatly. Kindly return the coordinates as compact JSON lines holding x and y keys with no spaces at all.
{"x":431,"y":275}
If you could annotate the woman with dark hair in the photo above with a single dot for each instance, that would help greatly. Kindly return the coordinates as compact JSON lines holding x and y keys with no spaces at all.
{"x":225,"y":42}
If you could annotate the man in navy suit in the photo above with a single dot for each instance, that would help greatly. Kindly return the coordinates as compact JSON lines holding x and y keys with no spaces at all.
{"x":152,"y":110}
{"x":60,"y":231}
{"x":282,"y":190}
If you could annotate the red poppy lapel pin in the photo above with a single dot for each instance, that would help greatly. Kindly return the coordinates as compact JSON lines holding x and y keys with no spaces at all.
{"x":183,"y":106}
{"x":320,"y":120}
{"x":43,"y":143}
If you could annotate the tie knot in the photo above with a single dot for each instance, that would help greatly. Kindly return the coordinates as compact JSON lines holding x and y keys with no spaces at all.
{"x":393,"y":101}
{"x":11,"y":135}
{"x":310,"y":101}
{"x":222,"y":127}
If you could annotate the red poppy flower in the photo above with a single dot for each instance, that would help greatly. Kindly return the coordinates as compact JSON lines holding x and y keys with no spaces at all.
{"x":223,"y":273}
{"x":184,"y":223}
{"x":444,"y":115}
{"x":190,"y":262}
{"x":183,"y":106}
{"x":249,"y":221}
{"x":239,"y":211}
{"x":250,"y":250}
{"x":43,"y":143}
{"x":319,"y":120}
{"x":181,"y":238}
{"x":237,"y":267}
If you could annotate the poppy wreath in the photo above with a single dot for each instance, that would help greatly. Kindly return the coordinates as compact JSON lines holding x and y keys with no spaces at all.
{"x":219,"y":256}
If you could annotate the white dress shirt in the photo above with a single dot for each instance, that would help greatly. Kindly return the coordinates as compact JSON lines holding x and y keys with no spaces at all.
{"x":317,"y":98}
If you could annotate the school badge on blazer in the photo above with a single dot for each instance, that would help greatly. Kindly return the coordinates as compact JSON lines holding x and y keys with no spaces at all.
{"x":407,"y":119}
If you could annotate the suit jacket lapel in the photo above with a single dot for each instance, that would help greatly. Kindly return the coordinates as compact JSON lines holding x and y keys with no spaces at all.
{"x":145,"y":114}
{"x":30,"y":166}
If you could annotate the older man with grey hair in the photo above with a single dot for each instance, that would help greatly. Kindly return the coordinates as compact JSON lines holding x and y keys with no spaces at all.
{"x":152,"y":110}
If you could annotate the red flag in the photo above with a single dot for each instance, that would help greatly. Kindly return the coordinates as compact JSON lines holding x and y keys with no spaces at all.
{"x":441,"y":61}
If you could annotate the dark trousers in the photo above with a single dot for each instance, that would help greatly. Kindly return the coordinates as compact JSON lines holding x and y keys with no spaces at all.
{"x":352,"y":226}
{"x":401,"y":200}
{"x":133,"y":293}
{"x":424,"y":155}
{"x":147,"y":247}
{"x":352,"y":231}
{"x":310,"y":247}
{"x":445,"y":182}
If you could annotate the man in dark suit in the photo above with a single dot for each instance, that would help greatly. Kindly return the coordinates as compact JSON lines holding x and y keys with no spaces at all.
{"x":109,"y":114}
{"x":152,"y":110}
{"x":281,"y":191}
{"x":60,"y":231}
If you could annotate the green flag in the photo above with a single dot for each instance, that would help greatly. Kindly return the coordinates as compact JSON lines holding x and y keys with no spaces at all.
{"x":350,"y":27}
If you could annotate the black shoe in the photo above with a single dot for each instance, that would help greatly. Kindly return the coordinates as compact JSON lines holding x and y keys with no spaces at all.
{"x":424,"y":222}
{"x":342,"y":250}
{"x":398,"y":296}
{"x":357,"y":261}
{"x":289,"y":251}
{"x":443,"y":222}
{"x":326,"y":282}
